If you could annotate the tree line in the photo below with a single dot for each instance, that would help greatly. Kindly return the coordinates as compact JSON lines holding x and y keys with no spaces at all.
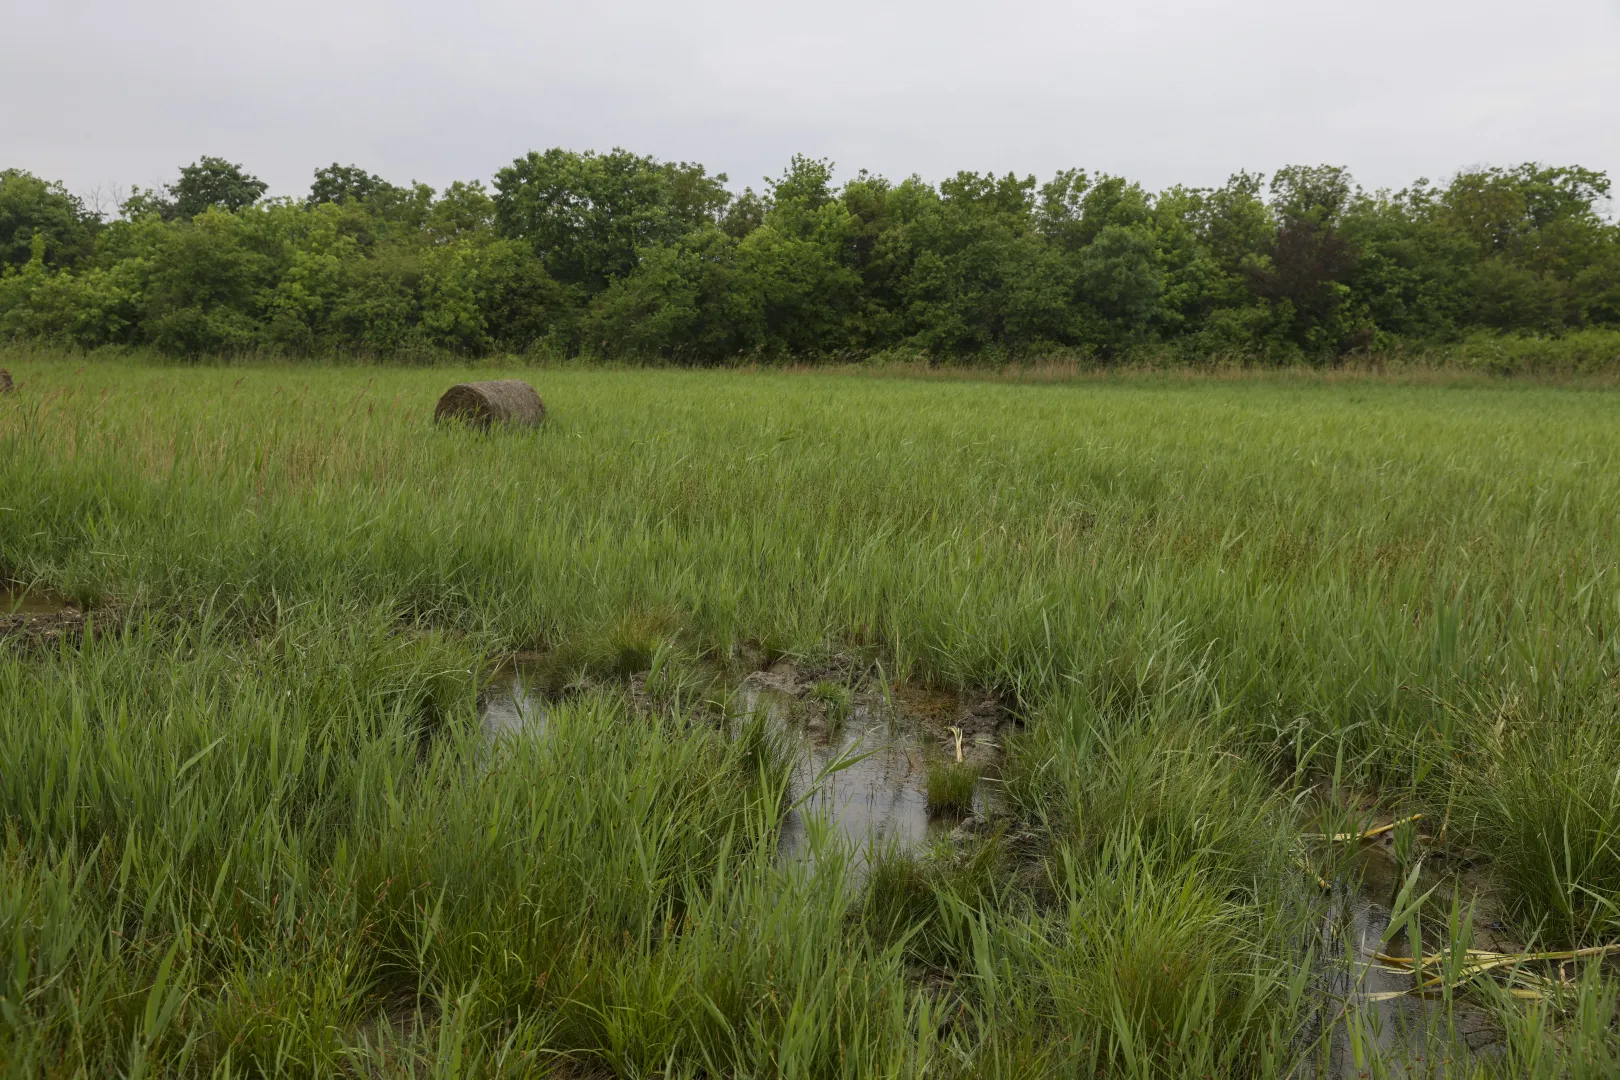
{"x":618,"y":255}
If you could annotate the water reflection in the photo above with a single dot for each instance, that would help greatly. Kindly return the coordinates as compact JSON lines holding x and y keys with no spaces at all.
{"x":866,"y":778}
{"x":863,"y":772}
{"x":511,"y":708}
{"x":1407,"y":1034}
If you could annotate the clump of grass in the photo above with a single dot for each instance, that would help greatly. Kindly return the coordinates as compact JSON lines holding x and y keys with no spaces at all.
{"x":1145,"y":951}
{"x":1545,"y":802}
{"x":908,"y":897}
{"x":837,"y":700}
{"x":631,"y":642}
{"x":897,"y":897}
{"x":676,"y":681}
{"x":950,"y":786}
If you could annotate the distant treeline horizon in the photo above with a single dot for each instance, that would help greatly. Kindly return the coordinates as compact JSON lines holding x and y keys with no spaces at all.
{"x":621,"y":256}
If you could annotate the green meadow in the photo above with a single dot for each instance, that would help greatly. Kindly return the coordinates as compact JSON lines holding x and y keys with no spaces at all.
{"x":254,"y":825}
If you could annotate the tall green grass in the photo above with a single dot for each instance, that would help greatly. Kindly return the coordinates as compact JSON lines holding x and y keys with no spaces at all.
{"x":251,"y":826}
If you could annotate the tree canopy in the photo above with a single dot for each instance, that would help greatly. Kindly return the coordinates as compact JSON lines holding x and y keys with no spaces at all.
{"x":621,"y":254}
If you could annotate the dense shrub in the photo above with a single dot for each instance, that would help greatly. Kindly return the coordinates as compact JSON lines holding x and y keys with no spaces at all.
{"x":626,"y":256}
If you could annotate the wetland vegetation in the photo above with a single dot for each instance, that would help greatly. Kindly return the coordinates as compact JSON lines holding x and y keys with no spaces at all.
{"x":336,"y":743}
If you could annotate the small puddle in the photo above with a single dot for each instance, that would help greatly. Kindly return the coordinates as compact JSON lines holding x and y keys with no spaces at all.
{"x":876,"y":802}
{"x":16,"y":599}
{"x":878,"y":798}
{"x":512,"y":708}
{"x":1408,"y":1035}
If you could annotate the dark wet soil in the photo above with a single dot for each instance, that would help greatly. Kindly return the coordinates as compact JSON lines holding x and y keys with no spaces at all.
{"x":38,"y":618}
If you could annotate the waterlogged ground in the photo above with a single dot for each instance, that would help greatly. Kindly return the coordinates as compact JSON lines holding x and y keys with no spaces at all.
{"x":37,"y":616}
{"x":26,"y":602}
{"x":512,"y":707}
{"x":859,"y":748}
{"x":1382,"y":1023}
{"x":858,"y":780}
{"x":861,"y":769}
{"x":291,"y":807}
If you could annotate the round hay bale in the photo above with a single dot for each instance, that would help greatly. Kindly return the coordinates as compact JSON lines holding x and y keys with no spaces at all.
{"x":6,"y":385}
{"x":503,"y":401}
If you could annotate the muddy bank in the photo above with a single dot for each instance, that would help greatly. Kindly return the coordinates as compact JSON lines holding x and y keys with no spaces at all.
{"x":38,"y":618}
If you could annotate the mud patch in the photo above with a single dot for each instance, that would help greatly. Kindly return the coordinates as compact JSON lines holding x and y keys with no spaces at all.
{"x":38,"y":618}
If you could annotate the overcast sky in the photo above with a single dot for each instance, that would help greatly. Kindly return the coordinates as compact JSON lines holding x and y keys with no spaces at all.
{"x":104,"y":93}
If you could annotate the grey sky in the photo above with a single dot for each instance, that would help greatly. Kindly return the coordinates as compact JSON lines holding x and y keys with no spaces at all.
{"x":102,"y":93}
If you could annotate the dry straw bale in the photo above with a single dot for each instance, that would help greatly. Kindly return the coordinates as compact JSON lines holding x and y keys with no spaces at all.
{"x":505,"y":401}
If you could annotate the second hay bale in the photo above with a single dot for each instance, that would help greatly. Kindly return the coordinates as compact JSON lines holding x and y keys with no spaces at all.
{"x":501,"y":401}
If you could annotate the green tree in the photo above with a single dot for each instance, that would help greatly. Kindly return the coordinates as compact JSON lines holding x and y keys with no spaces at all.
{"x":1414,"y":275}
{"x":480,"y":296}
{"x":345,"y":183}
{"x":30,"y":208}
{"x":627,"y":255}
{"x":982,"y":277}
{"x":1121,"y":281}
{"x":692,"y":301}
{"x":796,"y":265}
{"x":744,"y":214}
{"x":213,"y":183}
{"x":464,"y":210}
{"x":1060,"y":207}
{"x":206,"y":288}
{"x":881,"y":249}
{"x":587,"y":214}
{"x":1499,"y":209}
{"x":1309,"y":260}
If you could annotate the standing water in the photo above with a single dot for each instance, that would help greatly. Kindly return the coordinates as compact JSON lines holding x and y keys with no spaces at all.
{"x":513,"y":707}
{"x":1382,"y":1021}
{"x":863,"y":773}
{"x":864,"y":777}
{"x":18,"y":600}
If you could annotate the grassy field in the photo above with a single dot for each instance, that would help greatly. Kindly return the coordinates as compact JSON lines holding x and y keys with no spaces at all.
{"x":252,"y":825}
